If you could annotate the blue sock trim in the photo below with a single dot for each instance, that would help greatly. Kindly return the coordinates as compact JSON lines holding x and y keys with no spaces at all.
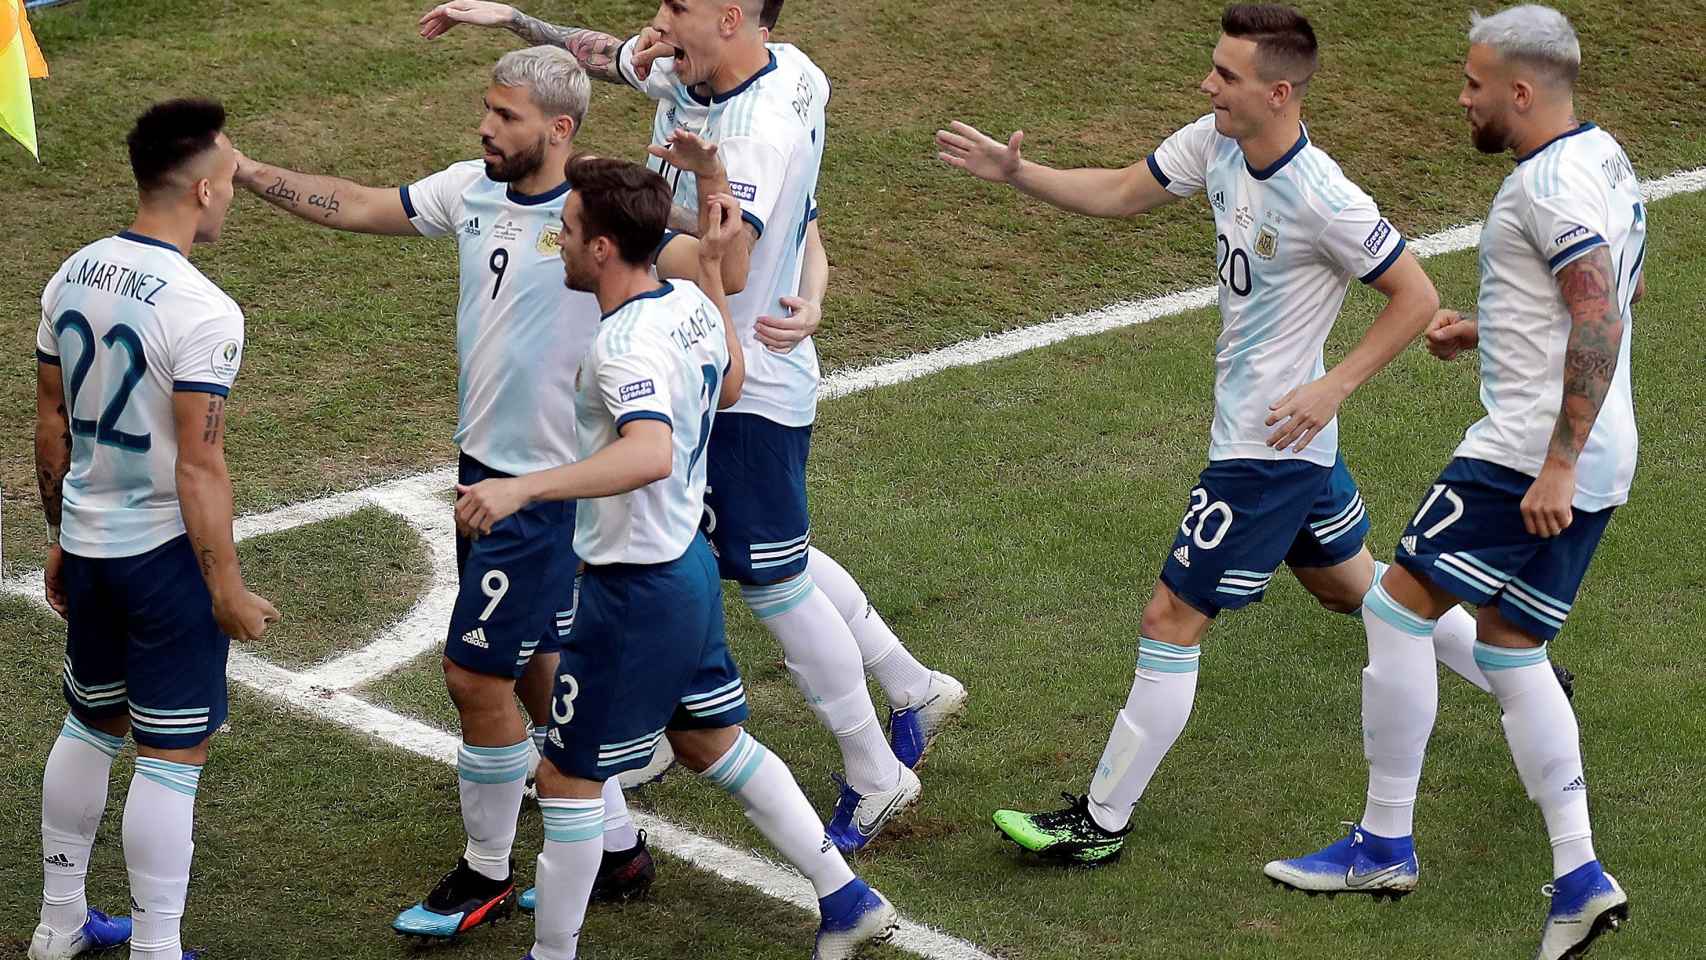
{"x":842,"y":901}
{"x":1489,"y":657}
{"x":775,"y":599}
{"x":539,"y":734}
{"x":1380,"y":568}
{"x":572,"y":821}
{"x":1390,"y":612}
{"x":736,"y":767}
{"x":182,"y":778}
{"x":1167,"y":657}
{"x":493,"y":764}
{"x":76,"y":729}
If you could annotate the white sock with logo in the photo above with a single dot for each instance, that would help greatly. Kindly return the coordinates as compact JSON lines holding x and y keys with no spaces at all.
{"x":1540,"y":727}
{"x":773,"y":801}
{"x":159,"y":845}
{"x":904,"y":680}
{"x":1154,"y":715}
{"x":568,"y":865}
{"x":491,"y":781}
{"x":73,"y":798}
{"x":1400,"y":697}
{"x":823,"y":659}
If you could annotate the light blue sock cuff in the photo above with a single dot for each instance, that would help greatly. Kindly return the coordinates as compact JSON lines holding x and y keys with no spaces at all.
{"x":539,"y":734}
{"x":775,"y":599}
{"x":76,"y":729}
{"x":1166,"y":657}
{"x":493,"y":764}
{"x":571,"y":821}
{"x":736,"y":767}
{"x":1394,"y":614}
{"x":181,"y":778}
{"x":1490,"y":658}
{"x":1380,"y":568}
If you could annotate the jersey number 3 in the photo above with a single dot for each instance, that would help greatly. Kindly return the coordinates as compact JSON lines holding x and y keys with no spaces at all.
{"x":105,"y":430}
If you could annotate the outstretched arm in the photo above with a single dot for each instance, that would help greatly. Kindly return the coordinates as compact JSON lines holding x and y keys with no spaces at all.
{"x":598,"y":53}
{"x":1589,"y":285}
{"x":1096,"y":192}
{"x":328,"y":201}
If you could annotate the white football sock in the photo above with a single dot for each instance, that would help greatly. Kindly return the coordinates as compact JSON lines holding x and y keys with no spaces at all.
{"x":568,"y":865}
{"x":773,"y":801}
{"x":1454,"y":646}
{"x":823,"y":659}
{"x":904,"y":680}
{"x":1546,"y":744}
{"x":1153,"y":717}
{"x":492,"y":781}
{"x":1400,"y":697}
{"x":73,"y":798}
{"x":619,"y":832}
{"x":159,"y":844}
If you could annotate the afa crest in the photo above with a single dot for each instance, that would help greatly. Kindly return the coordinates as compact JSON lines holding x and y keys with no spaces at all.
{"x":1267,"y":241}
{"x":547,"y":244}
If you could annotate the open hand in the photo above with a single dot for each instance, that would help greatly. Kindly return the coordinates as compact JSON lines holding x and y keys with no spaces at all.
{"x":784,"y":333}
{"x":1303,"y":413}
{"x":690,"y":152}
{"x":441,"y":19}
{"x":971,"y":150}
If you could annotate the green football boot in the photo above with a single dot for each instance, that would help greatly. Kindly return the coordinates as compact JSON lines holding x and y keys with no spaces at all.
{"x":1068,"y":835}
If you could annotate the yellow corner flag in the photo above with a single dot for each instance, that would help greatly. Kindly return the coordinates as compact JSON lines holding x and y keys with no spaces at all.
{"x":20,"y":60}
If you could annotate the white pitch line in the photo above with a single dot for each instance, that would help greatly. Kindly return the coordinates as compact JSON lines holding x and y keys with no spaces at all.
{"x":1130,"y":313}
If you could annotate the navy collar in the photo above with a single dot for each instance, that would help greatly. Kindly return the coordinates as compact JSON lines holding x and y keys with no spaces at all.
{"x":534,"y":199}
{"x":738,"y":90}
{"x":1273,"y":168}
{"x":1580,"y":128}
{"x":662,"y":291}
{"x":135,"y":237}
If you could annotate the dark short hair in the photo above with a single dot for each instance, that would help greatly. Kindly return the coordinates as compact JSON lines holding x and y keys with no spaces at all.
{"x":1285,"y":42}
{"x":623,"y":201}
{"x":772,"y":13}
{"x":169,"y":135}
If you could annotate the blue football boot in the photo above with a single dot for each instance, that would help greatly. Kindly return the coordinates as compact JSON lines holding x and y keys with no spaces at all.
{"x":1359,"y":863}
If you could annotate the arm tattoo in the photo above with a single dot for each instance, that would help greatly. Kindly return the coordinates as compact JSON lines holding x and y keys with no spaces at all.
{"x":683,"y":220}
{"x":214,"y":428}
{"x":51,"y":467}
{"x":204,"y":553}
{"x":1590,"y":361}
{"x":597,"y":52}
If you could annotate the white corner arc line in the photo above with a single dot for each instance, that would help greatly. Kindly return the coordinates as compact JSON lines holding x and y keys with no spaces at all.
{"x":1130,"y":313}
{"x":298,"y":691}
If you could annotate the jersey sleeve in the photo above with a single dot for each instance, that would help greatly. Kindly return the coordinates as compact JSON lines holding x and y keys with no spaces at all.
{"x":206,"y":358}
{"x":47,"y":344}
{"x":634,"y":387}
{"x":660,"y":83}
{"x":757,"y":172}
{"x":434,"y":203}
{"x":1567,"y":214}
{"x":1180,"y":163}
{"x":1361,"y":242}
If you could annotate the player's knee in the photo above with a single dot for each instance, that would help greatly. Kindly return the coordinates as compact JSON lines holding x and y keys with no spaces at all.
{"x":195,"y":755}
{"x":770,"y":600}
{"x":698,"y":750}
{"x":475,"y":692}
{"x":1338,"y":599}
{"x":554,"y":783}
{"x":115,"y":726}
{"x":1171,"y":620}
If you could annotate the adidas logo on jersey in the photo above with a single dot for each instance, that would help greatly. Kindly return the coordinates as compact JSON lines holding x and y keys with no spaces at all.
{"x":476,"y":638}
{"x":1576,"y":784}
{"x":1408,"y":543}
{"x":1219,"y":200}
{"x":471,"y":226}
{"x":555,"y":738}
{"x":1183,"y":555}
{"x":59,"y":860}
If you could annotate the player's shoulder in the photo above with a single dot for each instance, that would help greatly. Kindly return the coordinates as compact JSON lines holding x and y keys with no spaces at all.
{"x":779,"y":104}
{"x":1322,"y":184}
{"x":462,"y":176}
{"x":1583,"y":161}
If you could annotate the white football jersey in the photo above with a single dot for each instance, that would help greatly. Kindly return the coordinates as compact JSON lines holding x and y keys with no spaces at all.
{"x":660,"y":356}
{"x":130,"y":321}
{"x":520,"y":333}
{"x":1288,"y":239}
{"x":770,"y":135}
{"x":1574,"y":195}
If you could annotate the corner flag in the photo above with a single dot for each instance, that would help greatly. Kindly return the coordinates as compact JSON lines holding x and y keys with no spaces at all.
{"x":20,"y":59}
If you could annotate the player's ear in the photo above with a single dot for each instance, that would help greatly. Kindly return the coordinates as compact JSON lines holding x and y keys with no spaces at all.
{"x":563,"y":129}
{"x":1280,"y":94}
{"x":1522,"y":94}
{"x":203,"y":190}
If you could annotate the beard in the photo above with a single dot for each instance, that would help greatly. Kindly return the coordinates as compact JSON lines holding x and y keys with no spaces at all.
{"x":515,"y":166}
{"x":1489,"y":137}
{"x":575,"y":280}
